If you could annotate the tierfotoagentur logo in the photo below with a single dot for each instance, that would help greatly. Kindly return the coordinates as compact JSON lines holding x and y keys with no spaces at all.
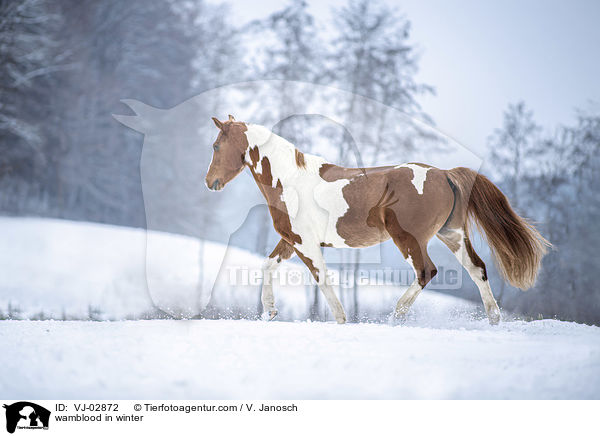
{"x":445,"y":279}
{"x":24,"y":415}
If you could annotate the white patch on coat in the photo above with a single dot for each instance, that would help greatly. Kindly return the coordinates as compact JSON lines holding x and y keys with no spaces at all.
{"x":257,"y":135}
{"x":476,"y":274}
{"x":280,"y":152}
{"x":290,"y":197}
{"x":419,"y":176}
{"x":314,"y":205}
{"x":409,"y":259}
{"x":463,"y":257}
{"x":330,"y":197}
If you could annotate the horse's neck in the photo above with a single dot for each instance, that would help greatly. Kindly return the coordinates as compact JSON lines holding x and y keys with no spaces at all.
{"x":282,"y":156}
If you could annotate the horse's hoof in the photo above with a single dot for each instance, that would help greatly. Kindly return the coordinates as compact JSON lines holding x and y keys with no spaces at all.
{"x":341,"y":319}
{"x":494,"y":317}
{"x":397,"y":318}
{"x":268,"y":316}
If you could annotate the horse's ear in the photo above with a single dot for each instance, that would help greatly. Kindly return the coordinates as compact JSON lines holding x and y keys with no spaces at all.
{"x":231,"y":118}
{"x":218,"y":123}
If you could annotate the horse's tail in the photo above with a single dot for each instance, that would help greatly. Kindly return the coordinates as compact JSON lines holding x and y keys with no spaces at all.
{"x":517,"y":246}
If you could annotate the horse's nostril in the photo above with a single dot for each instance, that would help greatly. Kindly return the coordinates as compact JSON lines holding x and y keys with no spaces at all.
{"x":215,"y":184}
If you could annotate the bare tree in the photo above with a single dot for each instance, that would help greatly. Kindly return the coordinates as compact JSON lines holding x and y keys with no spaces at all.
{"x":26,"y":68}
{"x":511,"y":145}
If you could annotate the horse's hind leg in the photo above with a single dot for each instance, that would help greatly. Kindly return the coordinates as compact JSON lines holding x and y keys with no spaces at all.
{"x":458,"y":242}
{"x":424,"y":271}
{"x":282,"y":251}
{"x":415,"y":253}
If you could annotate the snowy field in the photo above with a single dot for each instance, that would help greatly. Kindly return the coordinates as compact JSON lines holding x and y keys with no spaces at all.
{"x":257,"y":360}
{"x":65,"y":270}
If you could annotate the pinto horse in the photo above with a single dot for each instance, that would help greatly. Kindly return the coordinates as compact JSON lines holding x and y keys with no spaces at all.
{"x":316,"y":204}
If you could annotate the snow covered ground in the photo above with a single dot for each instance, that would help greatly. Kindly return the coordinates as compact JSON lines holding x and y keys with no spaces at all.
{"x":60,"y":269}
{"x":224,"y":359}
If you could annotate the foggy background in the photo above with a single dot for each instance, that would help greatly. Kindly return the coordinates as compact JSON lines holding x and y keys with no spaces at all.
{"x":470,"y":68}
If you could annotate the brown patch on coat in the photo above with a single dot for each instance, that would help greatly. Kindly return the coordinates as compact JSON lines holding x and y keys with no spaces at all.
{"x":283,"y":250}
{"x":300,"y":163}
{"x":277,"y":208}
{"x":376,"y":215}
{"x":266,"y":178}
{"x":309,"y":263}
{"x":373,"y":191}
{"x":410,"y":247}
{"x":281,"y":218}
{"x":254,"y":156}
{"x":475,"y":258}
{"x":331,"y":173}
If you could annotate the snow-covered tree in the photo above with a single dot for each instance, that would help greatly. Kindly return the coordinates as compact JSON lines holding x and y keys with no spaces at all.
{"x":511,"y":146}
{"x":372,"y":58}
{"x":568,"y":208}
{"x":26,"y":45}
{"x":64,"y":68}
{"x":287,"y":47}
{"x":551,"y":178}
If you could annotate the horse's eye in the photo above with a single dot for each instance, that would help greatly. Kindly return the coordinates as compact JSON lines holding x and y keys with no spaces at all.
{"x":216,"y":147}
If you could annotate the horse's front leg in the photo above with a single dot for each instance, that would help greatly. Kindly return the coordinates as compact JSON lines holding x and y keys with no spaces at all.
{"x":313,"y":259}
{"x":282,"y":251}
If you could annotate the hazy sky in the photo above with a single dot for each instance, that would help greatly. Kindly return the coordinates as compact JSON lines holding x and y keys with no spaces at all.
{"x":482,"y":54}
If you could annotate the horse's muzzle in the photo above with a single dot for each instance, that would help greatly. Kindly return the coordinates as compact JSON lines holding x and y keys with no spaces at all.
{"x":215,"y":186}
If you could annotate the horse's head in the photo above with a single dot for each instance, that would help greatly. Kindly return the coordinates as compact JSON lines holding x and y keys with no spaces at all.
{"x":229,"y":152}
